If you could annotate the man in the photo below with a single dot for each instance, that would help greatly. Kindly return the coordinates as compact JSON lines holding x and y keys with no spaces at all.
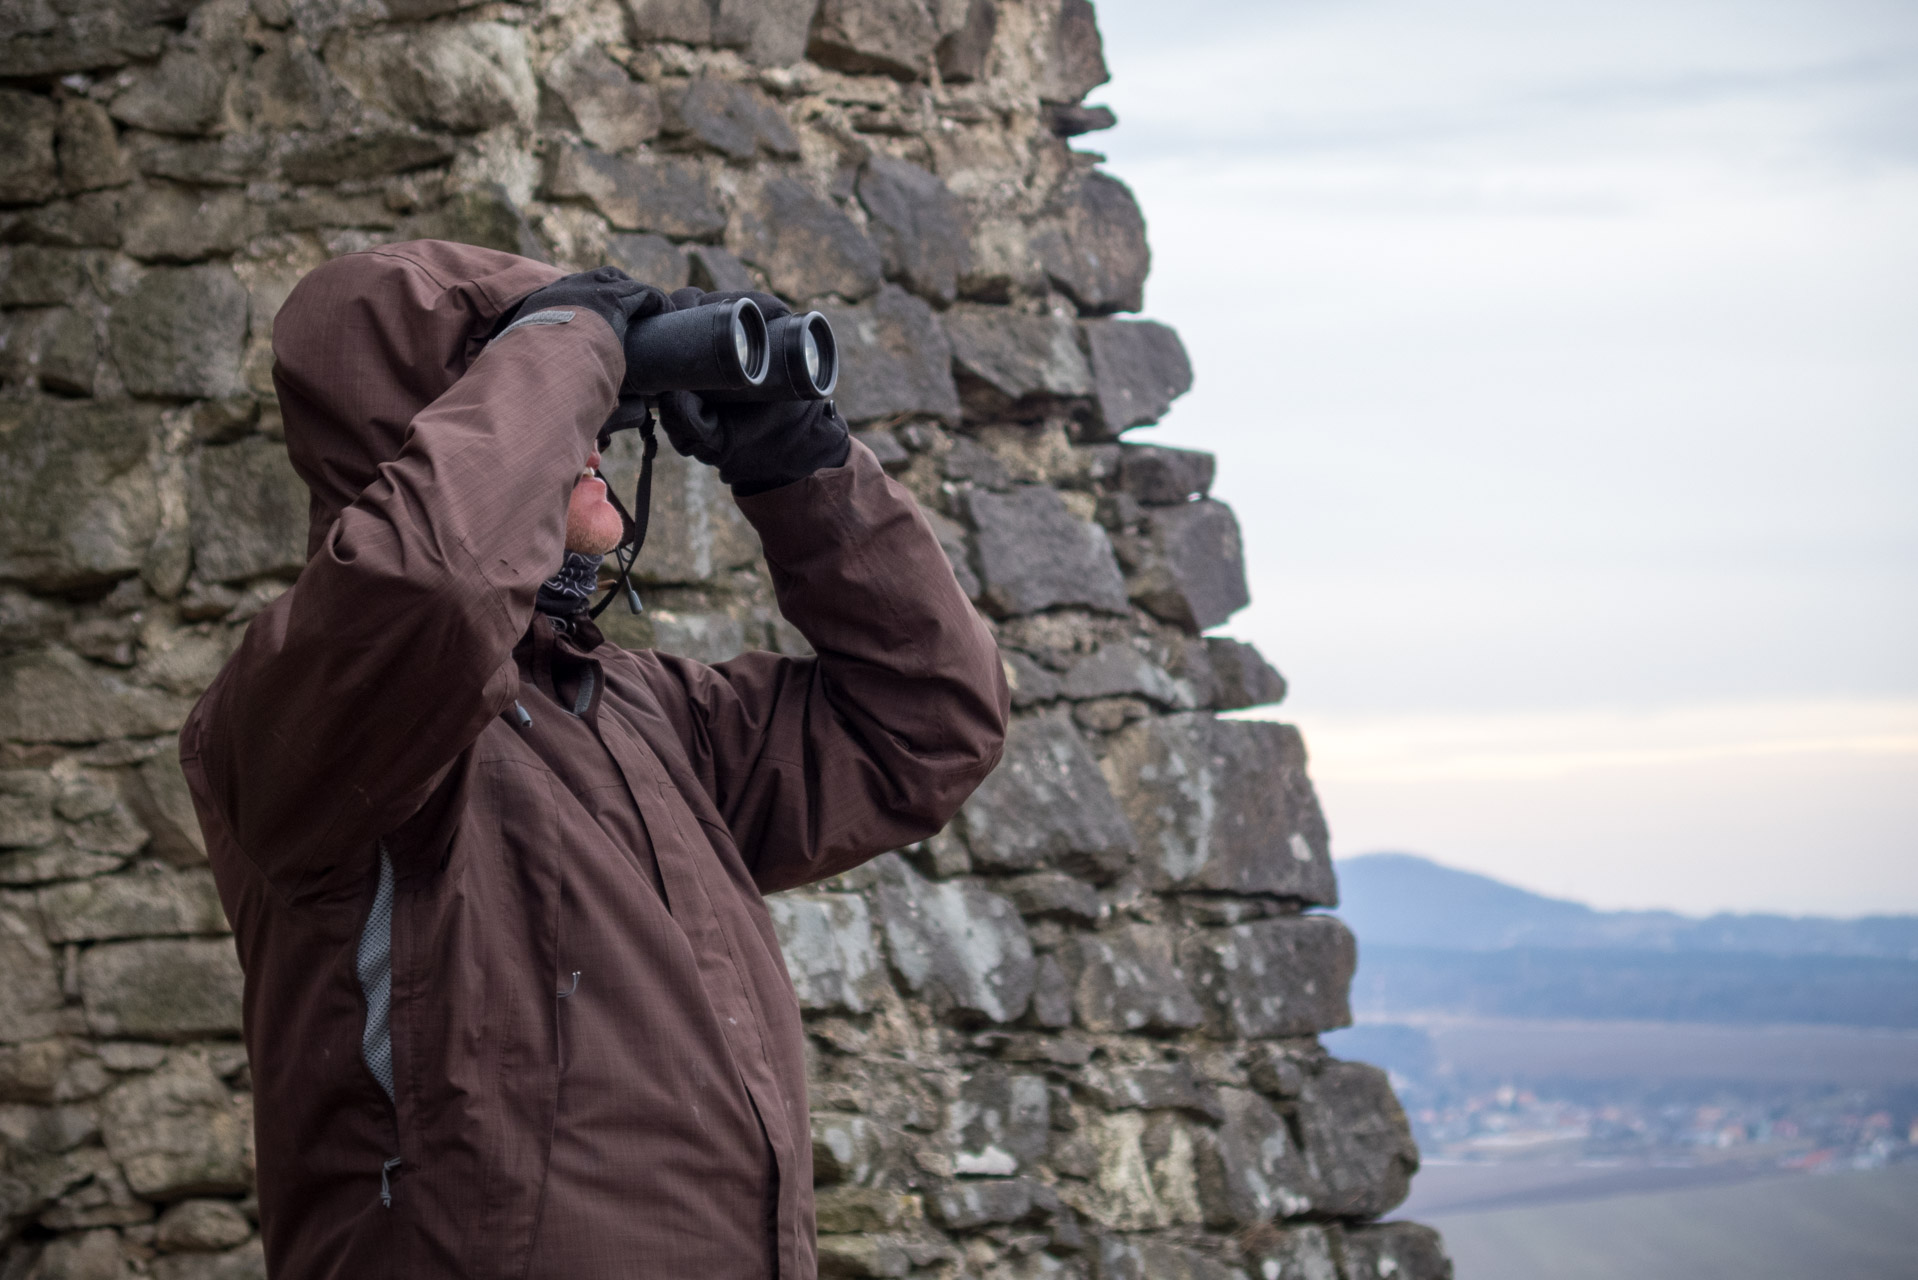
{"x":514,"y":1006}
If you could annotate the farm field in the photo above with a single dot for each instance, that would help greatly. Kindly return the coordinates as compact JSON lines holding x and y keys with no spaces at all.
{"x":1844,"y":1226}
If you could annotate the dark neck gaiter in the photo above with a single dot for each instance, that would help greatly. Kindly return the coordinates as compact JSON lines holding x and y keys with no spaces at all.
{"x":571,"y":589}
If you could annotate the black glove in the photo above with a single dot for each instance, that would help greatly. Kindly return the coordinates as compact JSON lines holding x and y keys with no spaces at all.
{"x":607,"y":292}
{"x":759,"y":446}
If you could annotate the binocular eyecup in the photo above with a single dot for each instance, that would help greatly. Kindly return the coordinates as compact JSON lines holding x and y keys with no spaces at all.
{"x":729,"y":352}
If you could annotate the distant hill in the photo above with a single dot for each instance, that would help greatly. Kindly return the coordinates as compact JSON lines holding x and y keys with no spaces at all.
{"x":1402,"y":900}
{"x":1433,"y":939}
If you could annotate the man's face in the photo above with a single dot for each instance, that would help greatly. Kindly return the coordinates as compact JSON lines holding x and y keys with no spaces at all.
{"x":593,"y":527}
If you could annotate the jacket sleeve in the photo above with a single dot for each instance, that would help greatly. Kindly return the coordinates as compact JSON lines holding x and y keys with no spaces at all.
{"x":818,"y":764}
{"x":352,"y":694}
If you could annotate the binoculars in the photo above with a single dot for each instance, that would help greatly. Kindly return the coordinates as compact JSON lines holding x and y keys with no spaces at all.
{"x":730,"y":352}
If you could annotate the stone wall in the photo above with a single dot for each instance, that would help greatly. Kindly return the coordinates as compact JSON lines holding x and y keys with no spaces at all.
{"x":1074,"y":1034}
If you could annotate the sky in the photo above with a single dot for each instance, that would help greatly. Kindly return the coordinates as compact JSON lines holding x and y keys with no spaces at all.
{"x":1562,"y":363}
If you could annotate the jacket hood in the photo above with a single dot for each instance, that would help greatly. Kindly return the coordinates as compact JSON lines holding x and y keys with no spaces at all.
{"x":366,"y":341}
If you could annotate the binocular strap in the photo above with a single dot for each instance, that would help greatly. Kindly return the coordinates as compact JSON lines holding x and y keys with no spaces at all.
{"x":635,"y":521}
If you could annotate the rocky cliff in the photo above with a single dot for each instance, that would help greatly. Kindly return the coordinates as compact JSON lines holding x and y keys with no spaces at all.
{"x":1074,"y":1034}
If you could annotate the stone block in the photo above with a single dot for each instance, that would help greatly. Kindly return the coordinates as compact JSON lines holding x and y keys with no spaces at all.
{"x":1193,"y":571}
{"x":52,"y":695}
{"x":201,"y":1226}
{"x":178,"y":1132}
{"x":188,"y":224}
{"x":34,"y":276}
{"x":701,"y":636}
{"x":895,"y":359}
{"x":1241,"y":677}
{"x":717,"y":270}
{"x":89,"y":1255}
{"x":1030,"y":683}
{"x":1010,"y":365}
{"x":137,"y":904}
{"x":248,"y":1262}
{"x":918,"y":224}
{"x":368,"y":152}
{"x":864,"y":1255}
{"x":672,"y":195}
{"x":79,"y":501}
{"x":1158,"y":476}
{"x":1155,"y":1086}
{"x":1129,"y":979}
{"x":1121,"y":1258}
{"x":1281,"y":977}
{"x":847,"y":1210}
{"x":1139,"y":367}
{"x":845,"y":1148}
{"x":1034,"y":554}
{"x":1296,"y":1253}
{"x":734,"y":119}
{"x":288,"y":87}
{"x":30,"y":998}
{"x":612,"y":111}
{"x":1358,"y":1140}
{"x":1075,"y":62}
{"x":483,"y":214}
{"x":69,"y":354}
{"x":958,"y":548}
{"x":967,"y":1206}
{"x":1395,"y":1251}
{"x":88,"y":147}
{"x":1093,"y":246}
{"x":1048,"y":893}
{"x":696,"y":531}
{"x":999,"y":1124}
{"x":1250,"y":1171}
{"x":830,"y":950}
{"x":894,"y":37}
{"x":1046,"y":804}
{"x":183,"y":93}
{"x":962,"y":53}
{"x":26,"y":809}
{"x":249,"y":511}
{"x":461,"y":77}
{"x":1118,"y":670}
{"x":1121,"y":1193}
{"x":27,"y":123}
{"x":805,"y":243}
{"x":179,"y":333}
{"x":172,"y":989}
{"x":1223,"y":805}
{"x":1072,"y":120}
{"x":650,"y":259}
{"x":958,"y":946}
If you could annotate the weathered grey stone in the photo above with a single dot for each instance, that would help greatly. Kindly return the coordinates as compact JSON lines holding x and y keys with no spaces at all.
{"x":173,"y":989}
{"x":1048,"y":893}
{"x":972,"y":462}
{"x":1093,"y":246}
{"x":1070,"y":120}
{"x":967,"y":1206}
{"x":895,"y":359}
{"x":895,"y":37}
{"x":1158,"y":476}
{"x":958,"y":548}
{"x":1119,"y":670}
{"x":1034,"y":554}
{"x":463,"y":77}
{"x":27,"y":123}
{"x":699,"y":635}
{"x":92,"y":1255}
{"x":735,"y":119}
{"x":769,"y":32}
{"x":999,"y":1124}
{"x":178,"y":1132}
{"x":1029,"y":682}
{"x":84,"y":37}
{"x":672,"y":195}
{"x":845,"y":1148}
{"x":53,"y":696}
{"x":1075,"y":64}
{"x":1014,"y":366}
{"x":865,"y":1255}
{"x":483,"y":214}
{"x":717,"y":270}
{"x":846,"y":1210}
{"x":1123,"y":1258}
{"x":362,"y":153}
{"x":201,"y":1226}
{"x":1156,"y":1086}
{"x":30,"y":997}
{"x":1297,"y":1253}
{"x":34,"y":276}
{"x":249,"y":511}
{"x":69,"y":354}
{"x":1250,"y":1171}
{"x":1051,"y":994}
{"x":26,"y":809}
{"x":962,"y":53}
{"x":805,"y":244}
{"x":886,"y":449}
{"x":613,"y":111}
{"x":1193,"y":573}
{"x":652,"y":260}
{"x":288,"y":87}
{"x":79,"y":503}
{"x":183,"y":93}
{"x":1139,"y":367}
{"x":248,"y":1262}
{"x":918,"y":224}
{"x":1358,"y":1139}
{"x":696,"y":531}
{"x":182,"y":224}
{"x":179,"y":333}
{"x":140,"y":904}
{"x":1279,"y":1071}
{"x":89,"y":148}
{"x":962,"y":948}
{"x":1282,"y":977}
{"x":90,"y":220}
{"x":157,"y":792}
{"x":1241,"y":677}
{"x":830,"y":950}
{"x":1222,"y":804}
{"x":230,"y":160}
{"x":1047,"y":804}
{"x":1129,"y":979}
{"x":1395,"y":1251}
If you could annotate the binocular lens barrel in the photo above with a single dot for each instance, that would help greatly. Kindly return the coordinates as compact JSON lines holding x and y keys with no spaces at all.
{"x":722,"y":347}
{"x":805,"y":362}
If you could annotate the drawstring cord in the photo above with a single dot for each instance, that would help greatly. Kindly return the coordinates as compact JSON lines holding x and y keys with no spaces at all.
{"x":386,"y":1184}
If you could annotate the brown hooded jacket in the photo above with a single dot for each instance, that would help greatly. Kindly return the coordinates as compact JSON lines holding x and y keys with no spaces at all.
{"x":514,"y":1005}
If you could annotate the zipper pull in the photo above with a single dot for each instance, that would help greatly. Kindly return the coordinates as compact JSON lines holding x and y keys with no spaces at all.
{"x":386,"y":1185}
